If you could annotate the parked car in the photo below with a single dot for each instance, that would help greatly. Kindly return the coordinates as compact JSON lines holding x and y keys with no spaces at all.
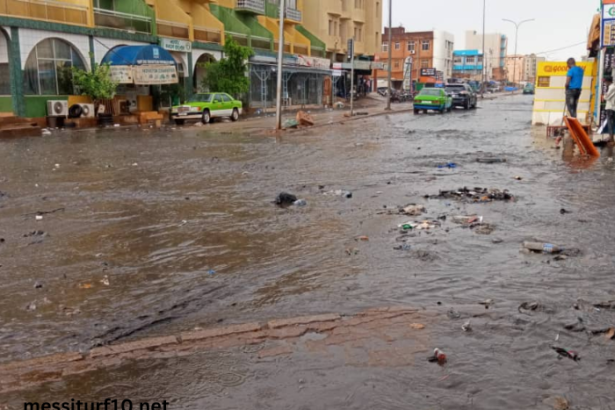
{"x":463,"y":95}
{"x":433,"y":99}
{"x":205,"y":107}
{"x":528,"y":89}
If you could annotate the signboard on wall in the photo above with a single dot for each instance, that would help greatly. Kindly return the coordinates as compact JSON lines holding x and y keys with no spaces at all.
{"x":172,"y":44}
{"x":314,"y":62}
{"x":155,"y":75}
{"x":608,"y":25}
{"x":122,"y":74}
{"x":428,"y":72}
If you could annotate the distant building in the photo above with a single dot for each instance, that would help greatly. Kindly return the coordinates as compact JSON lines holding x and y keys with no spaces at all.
{"x":495,"y":52}
{"x":524,"y":71}
{"x":468,"y":64}
{"x":428,"y":49}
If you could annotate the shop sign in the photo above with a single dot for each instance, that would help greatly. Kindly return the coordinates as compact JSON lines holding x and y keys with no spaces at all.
{"x":155,"y":75}
{"x":176,"y":45}
{"x":560,"y":69}
{"x":608,"y":25}
{"x":122,"y":74}
{"x":428,"y":72}
{"x":378,"y":66}
{"x":314,"y":62}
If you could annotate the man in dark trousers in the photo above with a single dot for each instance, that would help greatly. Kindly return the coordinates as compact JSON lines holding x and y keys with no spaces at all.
{"x":574,"y":85}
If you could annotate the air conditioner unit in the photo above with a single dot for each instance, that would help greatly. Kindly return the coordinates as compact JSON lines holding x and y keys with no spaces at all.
{"x":412,"y":52}
{"x":87,"y":111}
{"x":57,"y":108}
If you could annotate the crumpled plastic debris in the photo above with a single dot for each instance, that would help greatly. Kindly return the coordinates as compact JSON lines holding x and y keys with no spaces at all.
{"x":479,"y":195}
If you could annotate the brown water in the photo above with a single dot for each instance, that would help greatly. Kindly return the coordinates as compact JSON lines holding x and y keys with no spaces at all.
{"x":154,"y":212}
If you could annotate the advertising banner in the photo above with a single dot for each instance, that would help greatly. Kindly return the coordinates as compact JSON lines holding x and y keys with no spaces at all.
{"x":176,"y":45}
{"x":122,"y":74}
{"x":155,"y":75}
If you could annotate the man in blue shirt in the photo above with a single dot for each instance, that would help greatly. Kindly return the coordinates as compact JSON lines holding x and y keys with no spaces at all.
{"x":574,"y":85}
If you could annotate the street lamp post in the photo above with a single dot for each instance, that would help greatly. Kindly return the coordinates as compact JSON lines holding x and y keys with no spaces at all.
{"x":278,"y":107}
{"x":517,"y":25}
{"x":390,"y":86}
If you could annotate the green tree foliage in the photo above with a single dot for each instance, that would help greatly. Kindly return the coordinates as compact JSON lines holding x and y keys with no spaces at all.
{"x":229,"y":74}
{"x":97,"y":84}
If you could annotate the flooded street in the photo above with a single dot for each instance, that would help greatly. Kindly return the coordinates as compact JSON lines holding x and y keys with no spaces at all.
{"x":116,"y":236}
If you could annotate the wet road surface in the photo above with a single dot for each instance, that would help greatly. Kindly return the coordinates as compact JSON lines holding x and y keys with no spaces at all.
{"x":155,"y":233}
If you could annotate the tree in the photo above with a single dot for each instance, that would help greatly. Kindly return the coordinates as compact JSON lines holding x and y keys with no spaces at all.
{"x":97,"y":84}
{"x":229,"y":74}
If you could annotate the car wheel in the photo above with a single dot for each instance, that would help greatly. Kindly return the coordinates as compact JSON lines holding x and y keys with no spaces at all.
{"x":180,"y":122}
{"x":235,"y":115}
{"x":206,"y":117}
{"x":466,"y":105}
{"x":416,"y":111}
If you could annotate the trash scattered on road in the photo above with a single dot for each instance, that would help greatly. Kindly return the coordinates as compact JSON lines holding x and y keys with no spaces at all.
{"x":518,"y":178}
{"x":343,"y":194}
{"x":539,"y":247}
{"x":610,"y":335}
{"x":35,"y":233}
{"x":483,"y":229}
{"x":403,"y":247}
{"x":449,"y":165}
{"x":568,"y":354}
{"x":304,"y":119}
{"x":285,"y":199}
{"x":467,"y":220}
{"x":413,"y":210}
{"x":352,"y":251}
{"x":417,"y":326}
{"x":438,"y":357}
{"x":453,"y":314}
{"x":558,"y":403}
{"x":479,"y":195}
{"x":300,"y":203}
{"x":38,"y":285}
{"x":85,"y":286}
{"x":31,"y":307}
{"x":487,"y":303}
{"x":135,"y":164}
{"x":467,"y":326}
{"x":291,"y":124}
{"x":339,"y":105}
{"x":362,"y":239}
{"x":529,"y":306}
{"x":39,"y":217}
{"x":211,"y":272}
{"x":105,"y":280}
{"x":491,"y":160}
{"x":564,"y":211}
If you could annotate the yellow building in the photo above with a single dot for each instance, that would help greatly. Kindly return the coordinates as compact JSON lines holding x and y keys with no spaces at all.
{"x":337,"y":21}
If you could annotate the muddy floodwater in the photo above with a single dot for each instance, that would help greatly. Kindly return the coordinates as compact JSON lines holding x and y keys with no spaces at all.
{"x":115,"y":236}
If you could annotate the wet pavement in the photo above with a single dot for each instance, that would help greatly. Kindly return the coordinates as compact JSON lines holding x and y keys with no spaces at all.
{"x":155,"y":233}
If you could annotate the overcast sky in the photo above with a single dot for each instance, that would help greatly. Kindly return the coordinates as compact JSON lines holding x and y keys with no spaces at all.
{"x":558,"y":23}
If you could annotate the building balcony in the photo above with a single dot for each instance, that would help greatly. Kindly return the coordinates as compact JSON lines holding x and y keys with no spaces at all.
{"x":250,"y":6}
{"x":294,"y":15}
{"x":122,"y":21}
{"x":207,"y":35}
{"x":173,"y":29}
{"x":48,"y":10}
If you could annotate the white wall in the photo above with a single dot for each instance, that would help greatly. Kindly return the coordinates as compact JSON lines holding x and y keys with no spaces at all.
{"x":28,"y":39}
{"x":4,"y":49}
{"x":443,"y":55}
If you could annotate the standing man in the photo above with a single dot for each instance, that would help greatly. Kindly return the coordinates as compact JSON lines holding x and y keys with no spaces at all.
{"x":574,"y":85}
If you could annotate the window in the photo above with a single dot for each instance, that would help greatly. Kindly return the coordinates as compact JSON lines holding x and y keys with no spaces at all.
{"x":458,"y":60}
{"x":331,"y":32}
{"x":225,"y":98}
{"x":335,"y":30}
{"x":396,"y":63}
{"x":385,"y":46}
{"x":397,"y":46}
{"x":425,"y":45}
{"x":49,"y":68}
{"x":470,"y":60}
{"x":411,"y":46}
{"x":424,"y":63}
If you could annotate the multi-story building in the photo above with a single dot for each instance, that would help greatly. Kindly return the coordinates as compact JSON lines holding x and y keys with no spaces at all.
{"x":337,"y":21}
{"x":522,"y":68}
{"x":495,"y":51}
{"x":42,"y":40}
{"x":427,"y":49}
{"x":468,"y":64}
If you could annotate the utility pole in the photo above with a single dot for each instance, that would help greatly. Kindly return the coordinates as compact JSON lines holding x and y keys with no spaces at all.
{"x":482,"y":86}
{"x":278,"y":107}
{"x":517,"y":25}
{"x":351,"y":51}
{"x":390,"y":86}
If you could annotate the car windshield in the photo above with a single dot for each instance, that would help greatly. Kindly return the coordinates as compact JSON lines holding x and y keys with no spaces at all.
{"x":455,"y":88}
{"x":201,"y":98}
{"x":431,"y":92}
